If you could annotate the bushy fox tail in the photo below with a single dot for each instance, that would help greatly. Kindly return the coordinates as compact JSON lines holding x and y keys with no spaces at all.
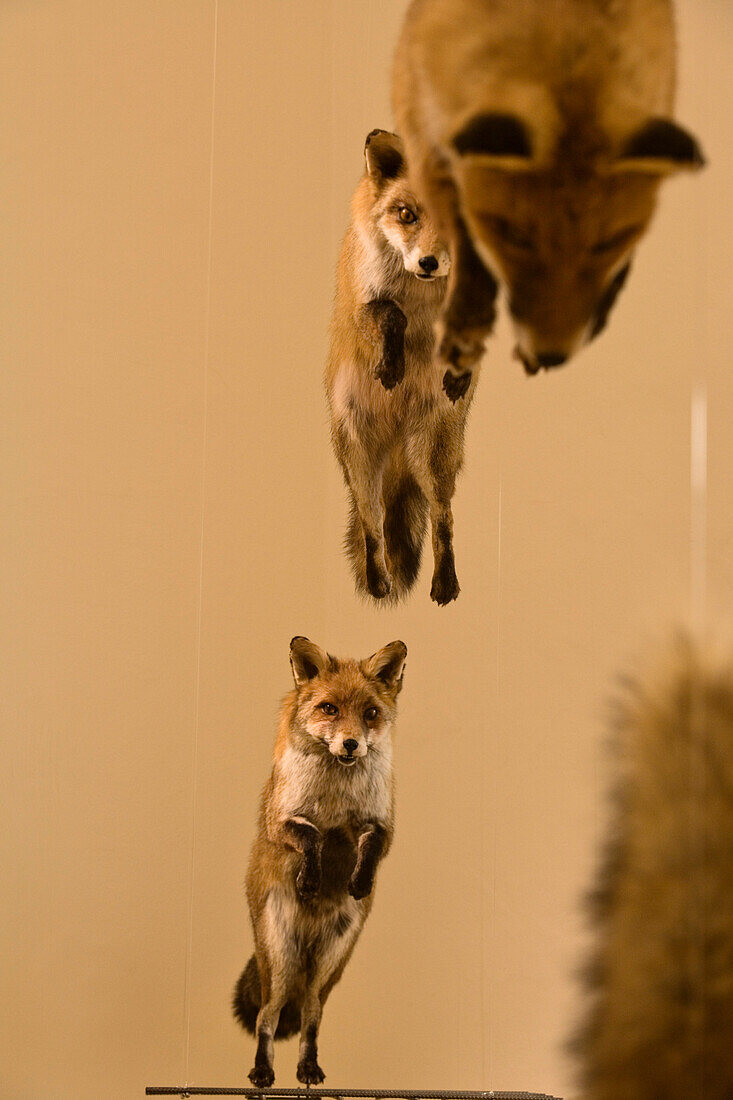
{"x":405,"y":521}
{"x":661,"y":978}
{"x":246,"y":1004}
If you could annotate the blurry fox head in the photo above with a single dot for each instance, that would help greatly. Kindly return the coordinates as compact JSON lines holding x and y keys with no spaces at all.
{"x":556,"y":220}
{"x":343,"y":705}
{"x":387,"y":211}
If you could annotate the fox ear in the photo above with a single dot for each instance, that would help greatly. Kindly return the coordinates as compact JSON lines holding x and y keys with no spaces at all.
{"x":388,"y":664}
{"x":497,"y":140}
{"x":307,"y":660}
{"x":659,"y":147}
{"x":384,"y":154}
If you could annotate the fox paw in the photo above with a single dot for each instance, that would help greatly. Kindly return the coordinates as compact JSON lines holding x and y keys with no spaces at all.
{"x":391,"y":370}
{"x":262,"y":1077}
{"x":309,"y":1072}
{"x":445,"y":587}
{"x":378,"y":582}
{"x":360,"y":886}
{"x":456,"y":385}
{"x":460,"y":352}
{"x":308,"y":883}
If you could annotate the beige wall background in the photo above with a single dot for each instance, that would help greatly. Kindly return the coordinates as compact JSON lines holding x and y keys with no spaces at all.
{"x":174,"y":184}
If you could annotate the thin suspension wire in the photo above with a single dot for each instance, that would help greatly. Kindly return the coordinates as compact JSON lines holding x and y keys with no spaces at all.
{"x":698,"y":507}
{"x":698,"y":718}
{"x":487,"y":1037}
{"x":199,"y":617}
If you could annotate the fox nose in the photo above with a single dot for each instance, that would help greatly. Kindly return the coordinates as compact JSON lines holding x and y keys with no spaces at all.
{"x":429,"y":264}
{"x":551,"y":359}
{"x":351,"y":745}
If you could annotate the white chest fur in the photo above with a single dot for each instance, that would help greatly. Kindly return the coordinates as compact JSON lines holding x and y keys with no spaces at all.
{"x":320,"y":789}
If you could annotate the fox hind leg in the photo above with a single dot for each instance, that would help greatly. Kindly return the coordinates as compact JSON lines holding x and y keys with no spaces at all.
{"x":277,"y":973}
{"x":437,"y":459}
{"x":405,"y":518}
{"x":262,"y":1073}
{"x":309,"y":1072}
{"x":334,"y":951}
{"x":364,"y":472}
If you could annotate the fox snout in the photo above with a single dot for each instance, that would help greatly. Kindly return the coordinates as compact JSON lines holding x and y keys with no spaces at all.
{"x":348,"y":747}
{"x":541,"y":343}
{"x":544,"y":350}
{"x":434,"y":264}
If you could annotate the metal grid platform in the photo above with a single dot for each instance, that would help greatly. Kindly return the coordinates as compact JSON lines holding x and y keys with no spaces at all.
{"x":337,"y":1094}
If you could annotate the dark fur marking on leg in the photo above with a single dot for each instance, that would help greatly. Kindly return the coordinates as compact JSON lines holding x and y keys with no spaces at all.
{"x":445,"y":587}
{"x":391,"y":367}
{"x":311,"y":1034}
{"x":404,"y":530}
{"x":262,"y":1074}
{"x":472,"y":303}
{"x":309,"y":1072}
{"x":371,"y":845}
{"x":383,"y":323}
{"x":308,"y":879}
{"x":305,"y":839}
{"x":470,"y":311}
{"x":338,"y":861}
{"x":456,"y":385}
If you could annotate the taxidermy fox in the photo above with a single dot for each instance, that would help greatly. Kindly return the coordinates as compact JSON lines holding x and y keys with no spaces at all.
{"x":661,"y":1020}
{"x":326,"y":820}
{"x":537,"y":134}
{"x":399,"y":441}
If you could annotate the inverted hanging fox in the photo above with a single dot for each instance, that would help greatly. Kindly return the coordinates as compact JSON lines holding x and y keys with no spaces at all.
{"x":397,"y":437}
{"x":537,"y":132}
{"x":326,"y":821}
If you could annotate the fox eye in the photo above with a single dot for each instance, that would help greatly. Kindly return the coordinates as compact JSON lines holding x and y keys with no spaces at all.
{"x":371,"y":714}
{"x":406,"y":216}
{"x":616,"y":241}
{"x":511,"y":234}
{"x":329,"y":709}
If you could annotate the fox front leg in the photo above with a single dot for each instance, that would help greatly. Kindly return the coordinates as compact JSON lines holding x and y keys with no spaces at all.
{"x":469,"y":309}
{"x":468,"y":316}
{"x":303,"y":836}
{"x":372,"y":845}
{"x":383,"y":323}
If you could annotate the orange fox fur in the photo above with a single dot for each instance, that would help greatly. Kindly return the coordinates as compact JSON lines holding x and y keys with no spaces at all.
{"x":660,"y":1021}
{"x":326,"y":821}
{"x":537,"y":133}
{"x":398,"y":438}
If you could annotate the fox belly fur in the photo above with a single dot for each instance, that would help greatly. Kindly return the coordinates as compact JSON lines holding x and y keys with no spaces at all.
{"x":326,"y":821}
{"x":397,"y":433}
{"x":537,"y":133}
{"x":660,"y":1023}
